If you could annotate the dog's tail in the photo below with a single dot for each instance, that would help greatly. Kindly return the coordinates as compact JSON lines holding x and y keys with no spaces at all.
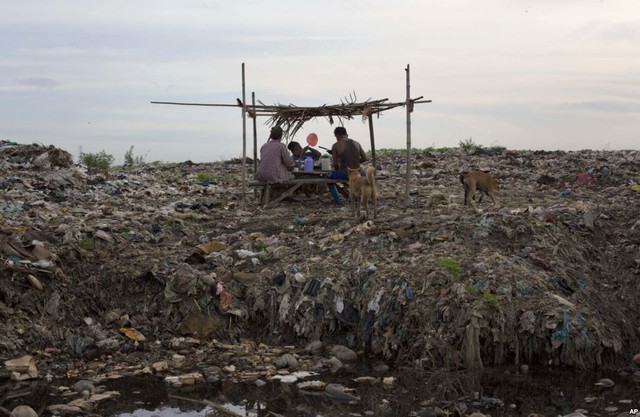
{"x":371,"y":172}
{"x":462,"y":175}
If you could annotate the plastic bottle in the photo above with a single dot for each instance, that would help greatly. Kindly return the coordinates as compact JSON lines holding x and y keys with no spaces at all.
{"x":308,"y":163}
{"x":325,"y":162}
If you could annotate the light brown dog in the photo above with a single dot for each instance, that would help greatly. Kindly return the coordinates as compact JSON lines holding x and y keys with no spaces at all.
{"x":478,"y":180}
{"x":366,"y":188}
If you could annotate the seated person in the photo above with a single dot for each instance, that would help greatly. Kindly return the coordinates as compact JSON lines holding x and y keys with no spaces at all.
{"x":298,"y":153}
{"x":347,"y":153}
{"x":275,"y":161}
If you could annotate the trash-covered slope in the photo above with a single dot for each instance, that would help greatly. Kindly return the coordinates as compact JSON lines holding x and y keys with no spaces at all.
{"x":547,"y":276}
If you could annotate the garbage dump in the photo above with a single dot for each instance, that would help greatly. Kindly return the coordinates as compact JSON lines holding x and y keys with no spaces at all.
{"x":141,"y":260}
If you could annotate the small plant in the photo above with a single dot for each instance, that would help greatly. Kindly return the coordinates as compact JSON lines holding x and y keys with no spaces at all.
{"x":468,"y":145}
{"x":451,"y":265}
{"x":207,"y":177}
{"x":471,"y":289}
{"x":491,"y":300}
{"x":100,"y":160}
{"x":130,"y":160}
{"x":87,"y":244}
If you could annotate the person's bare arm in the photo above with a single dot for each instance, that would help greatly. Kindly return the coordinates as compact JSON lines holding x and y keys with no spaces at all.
{"x":315,"y":154}
{"x":363,"y":155}
{"x":335,"y":163}
{"x":286,"y":159}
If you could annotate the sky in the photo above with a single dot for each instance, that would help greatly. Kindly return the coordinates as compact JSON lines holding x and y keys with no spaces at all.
{"x":545,"y":74}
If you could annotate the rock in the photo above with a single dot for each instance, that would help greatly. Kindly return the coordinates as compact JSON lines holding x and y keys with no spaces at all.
{"x":83,"y":385}
{"x":288,"y":361}
{"x":344,"y":354}
{"x":315,"y":348}
{"x":335,"y":364}
{"x":24,"y":411}
{"x":381,"y":368}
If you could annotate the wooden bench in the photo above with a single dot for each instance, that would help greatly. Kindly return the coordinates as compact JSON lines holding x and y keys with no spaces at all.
{"x":292,"y":186}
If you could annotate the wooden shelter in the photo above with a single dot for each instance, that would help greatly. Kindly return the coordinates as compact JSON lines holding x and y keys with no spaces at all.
{"x":291,"y":118}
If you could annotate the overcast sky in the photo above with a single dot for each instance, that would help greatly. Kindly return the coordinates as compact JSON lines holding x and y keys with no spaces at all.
{"x":546,"y":74}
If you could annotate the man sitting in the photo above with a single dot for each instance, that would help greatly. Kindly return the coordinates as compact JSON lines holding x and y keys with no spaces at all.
{"x":347,"y":153}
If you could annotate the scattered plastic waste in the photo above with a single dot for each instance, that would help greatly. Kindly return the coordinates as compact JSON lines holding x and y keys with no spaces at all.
{"x":132,"y":334}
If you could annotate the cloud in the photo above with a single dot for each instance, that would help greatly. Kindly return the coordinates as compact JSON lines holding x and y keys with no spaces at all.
{"x":610,"y":106}
{"x":39,"y":82}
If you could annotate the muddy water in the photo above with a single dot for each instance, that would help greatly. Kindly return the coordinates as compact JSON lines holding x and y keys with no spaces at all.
{"x":498,"y":393}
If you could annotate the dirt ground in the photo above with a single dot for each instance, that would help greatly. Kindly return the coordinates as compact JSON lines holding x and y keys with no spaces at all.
{"x":546,"y":276}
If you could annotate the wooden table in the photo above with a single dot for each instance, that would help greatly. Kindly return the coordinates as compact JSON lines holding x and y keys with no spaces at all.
{"x":291,"y":186}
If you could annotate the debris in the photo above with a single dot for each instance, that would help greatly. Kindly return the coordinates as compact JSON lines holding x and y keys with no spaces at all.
{"x":605,"y":383}
{"x":22,"y":368}
{"x":339,"y":393}
{"x":542,"y":279}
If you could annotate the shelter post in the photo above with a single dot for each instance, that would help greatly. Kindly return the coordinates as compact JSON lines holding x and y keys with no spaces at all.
{"x":373,"y":142}
{"x":409,"y":107}
{"x":244,"y":142}
{"x":255,"y":134}
{"x":255,"y":139}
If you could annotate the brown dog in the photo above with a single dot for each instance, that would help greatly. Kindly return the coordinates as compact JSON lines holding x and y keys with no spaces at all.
{"x":478,"y":180}
{"x":366,"y":188}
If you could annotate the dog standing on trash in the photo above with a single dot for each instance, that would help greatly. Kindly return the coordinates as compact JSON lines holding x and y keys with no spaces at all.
{"x":478,"y":180}
{"x":365,"y":187}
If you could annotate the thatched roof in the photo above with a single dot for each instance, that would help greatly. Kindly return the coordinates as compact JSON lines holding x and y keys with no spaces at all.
{"x":291,"y":118}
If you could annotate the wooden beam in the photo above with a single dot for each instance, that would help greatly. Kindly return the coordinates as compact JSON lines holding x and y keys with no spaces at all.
{"x":373,"y":142}
{"x":196,"y":104}
{"x":244,"y":145}
{"x":409,"y":108}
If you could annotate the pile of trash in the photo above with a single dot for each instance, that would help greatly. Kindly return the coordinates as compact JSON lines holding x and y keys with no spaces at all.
{"x":100,"y":262}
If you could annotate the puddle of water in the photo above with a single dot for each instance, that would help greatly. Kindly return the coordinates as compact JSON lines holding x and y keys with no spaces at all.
{"x":548,"y":392}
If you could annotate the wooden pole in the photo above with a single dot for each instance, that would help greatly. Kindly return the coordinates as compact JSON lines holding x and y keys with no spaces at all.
{"x":244,"y":142}
{"x":373,"y":143}
{"x":255,"y":140}
{"x":409,"y":108}
{"x":255,"y":134}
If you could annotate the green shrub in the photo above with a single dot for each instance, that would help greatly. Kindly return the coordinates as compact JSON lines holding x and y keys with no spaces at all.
{"x":100,"y":160}
{"x":130,"y":160}
{"x":468,"y":145}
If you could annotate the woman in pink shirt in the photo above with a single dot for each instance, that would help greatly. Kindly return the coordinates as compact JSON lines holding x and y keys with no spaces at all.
{"x":275,"y":160}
